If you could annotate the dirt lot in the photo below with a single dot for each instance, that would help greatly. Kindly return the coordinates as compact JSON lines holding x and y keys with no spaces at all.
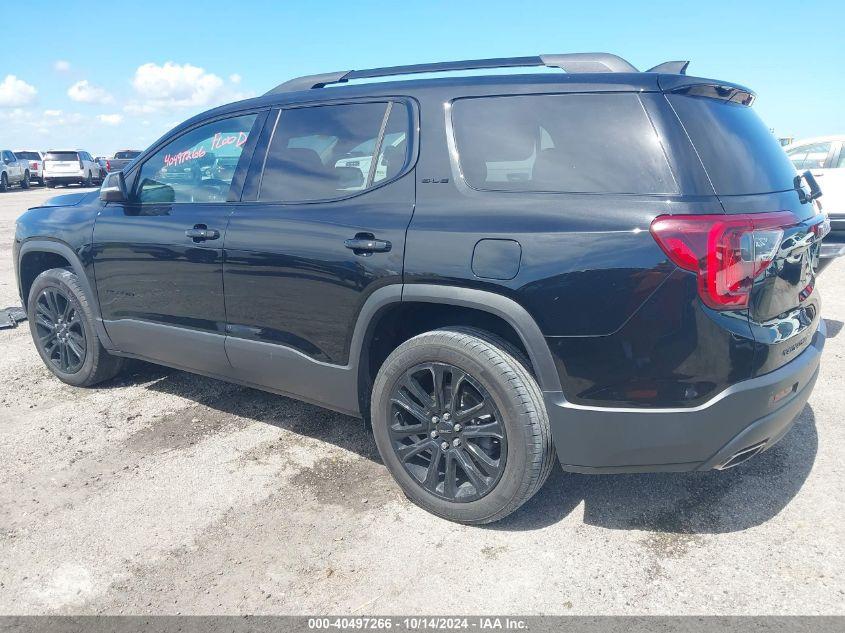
{"x":163,"y":492}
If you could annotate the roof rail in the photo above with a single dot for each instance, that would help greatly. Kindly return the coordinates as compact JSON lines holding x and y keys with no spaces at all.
{"x":569,"y":62}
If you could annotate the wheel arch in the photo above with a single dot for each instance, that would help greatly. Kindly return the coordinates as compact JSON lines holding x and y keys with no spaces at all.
{"x":37,"y":255}
{"x":501,"y":310}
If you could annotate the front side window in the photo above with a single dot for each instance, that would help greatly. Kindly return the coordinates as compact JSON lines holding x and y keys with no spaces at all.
{"x":197,"y":166}
{"x":579,"y":143}
{"x":326,"y":152}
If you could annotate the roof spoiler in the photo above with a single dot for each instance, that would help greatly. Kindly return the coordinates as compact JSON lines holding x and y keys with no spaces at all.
{"x":569,"y":62}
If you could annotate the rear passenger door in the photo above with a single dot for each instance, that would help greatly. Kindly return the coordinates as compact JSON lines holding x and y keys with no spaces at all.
{"x":320,"y":227}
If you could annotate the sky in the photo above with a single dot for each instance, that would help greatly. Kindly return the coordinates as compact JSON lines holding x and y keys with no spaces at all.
{"x":121,"y":76}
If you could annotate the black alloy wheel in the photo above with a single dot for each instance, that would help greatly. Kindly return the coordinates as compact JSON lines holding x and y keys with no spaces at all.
{"x":447,"y":432}
{"x":60,"y":332}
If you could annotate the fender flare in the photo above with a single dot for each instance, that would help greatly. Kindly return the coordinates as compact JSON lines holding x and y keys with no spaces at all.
{"x":498,"y":305}
{"x":41,"y":245}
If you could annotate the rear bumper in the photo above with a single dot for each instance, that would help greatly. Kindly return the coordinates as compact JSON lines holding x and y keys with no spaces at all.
{"x":64,"y":179}
{"x":751,"y":416}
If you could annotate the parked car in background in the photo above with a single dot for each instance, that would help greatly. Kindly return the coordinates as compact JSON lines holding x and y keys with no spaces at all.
{"x":103,"y":163}
{"x":824,"y":156}
{"x":36,"y":164}
{"x":121,"y":159}
{"x":13,"y":171}
{"x":65,"y":167}
{"x":579,"y":265}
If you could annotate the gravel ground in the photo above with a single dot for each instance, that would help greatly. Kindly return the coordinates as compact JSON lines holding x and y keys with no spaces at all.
{"x":164,"y":492}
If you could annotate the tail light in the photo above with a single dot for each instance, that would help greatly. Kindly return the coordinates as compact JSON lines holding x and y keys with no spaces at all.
{"x":108,"y":165}
{"x":34,"y":165}
{"x":727,"y":252}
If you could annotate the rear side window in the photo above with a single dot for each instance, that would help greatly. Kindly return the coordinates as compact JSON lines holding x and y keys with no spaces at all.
{"x":738,"y":151}
{"x":327,"y":152}
{"x":62,"y":156}
{"x":578,"y":143}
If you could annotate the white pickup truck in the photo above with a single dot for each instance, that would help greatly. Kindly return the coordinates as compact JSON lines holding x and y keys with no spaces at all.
{"x":13,"y":171}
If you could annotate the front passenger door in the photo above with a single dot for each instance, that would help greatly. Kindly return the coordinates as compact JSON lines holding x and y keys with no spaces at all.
{"x":158,"y":258}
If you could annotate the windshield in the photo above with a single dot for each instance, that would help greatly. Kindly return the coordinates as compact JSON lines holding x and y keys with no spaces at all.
{"x":62,"y":156}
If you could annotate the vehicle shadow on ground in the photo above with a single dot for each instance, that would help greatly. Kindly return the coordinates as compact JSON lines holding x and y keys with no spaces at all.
{"x":833,"y":327}
{"x":683,"y":503}
{"x":229,"y":399}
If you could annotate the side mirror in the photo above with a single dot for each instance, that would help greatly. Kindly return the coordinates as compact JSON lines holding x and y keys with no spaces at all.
{"x":113,"y":188}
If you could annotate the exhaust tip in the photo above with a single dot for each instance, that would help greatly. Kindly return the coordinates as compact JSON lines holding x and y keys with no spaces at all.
{"x":744,"y":455}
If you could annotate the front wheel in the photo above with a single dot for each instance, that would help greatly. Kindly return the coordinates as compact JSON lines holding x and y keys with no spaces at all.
{"x":61,"y":322}
{"x":461,"y":425}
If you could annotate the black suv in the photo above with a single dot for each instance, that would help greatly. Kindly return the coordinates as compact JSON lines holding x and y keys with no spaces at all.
{"x":610,"y":265}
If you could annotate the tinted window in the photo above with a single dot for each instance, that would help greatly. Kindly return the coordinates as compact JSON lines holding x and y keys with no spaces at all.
{"x":28,"y":155}
{"x":325,"y":152}
{"x":560,"y":143}
{"x":8,"y":156}
{"x":126,"y":155}
{"x":738,"y":151}
{"x":197,"y":166}
{"x":62,"y":156}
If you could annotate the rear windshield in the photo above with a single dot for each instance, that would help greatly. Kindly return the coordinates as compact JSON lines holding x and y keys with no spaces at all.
{"x":738,"y":151}
{"x":28,"y":155}
{"x":126,"y":155}
{"x":586,"y":143}
{"x":62,"y":156}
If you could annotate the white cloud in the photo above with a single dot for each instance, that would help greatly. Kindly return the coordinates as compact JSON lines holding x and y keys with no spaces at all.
{"x":53,"y":113}
{"x":172,"y":85}
{"x":86,"y":92}
{"x":110,"y":119}
{"x":16,"y":92}
{"x":61,"y":66}
{"x":235,"y":79}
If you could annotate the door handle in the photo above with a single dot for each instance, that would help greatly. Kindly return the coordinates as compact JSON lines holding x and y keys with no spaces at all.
{"x":366,"y":244}
{"x":201,"y":233}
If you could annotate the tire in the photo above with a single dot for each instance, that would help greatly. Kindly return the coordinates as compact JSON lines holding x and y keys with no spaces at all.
{"x":493,"y":377}
{"x":57,"y":299}
{"x":4,"y":182}
{"x":25,"y":181}
{"x":88,"y":182}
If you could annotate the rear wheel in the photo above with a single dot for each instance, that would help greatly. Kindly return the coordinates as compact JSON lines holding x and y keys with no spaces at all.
{"x":4,"y":182}
{"x":25,"y":181}
{"x":87,"y":181}
{"x":461,"y":425}
{"x":62,"y":325}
